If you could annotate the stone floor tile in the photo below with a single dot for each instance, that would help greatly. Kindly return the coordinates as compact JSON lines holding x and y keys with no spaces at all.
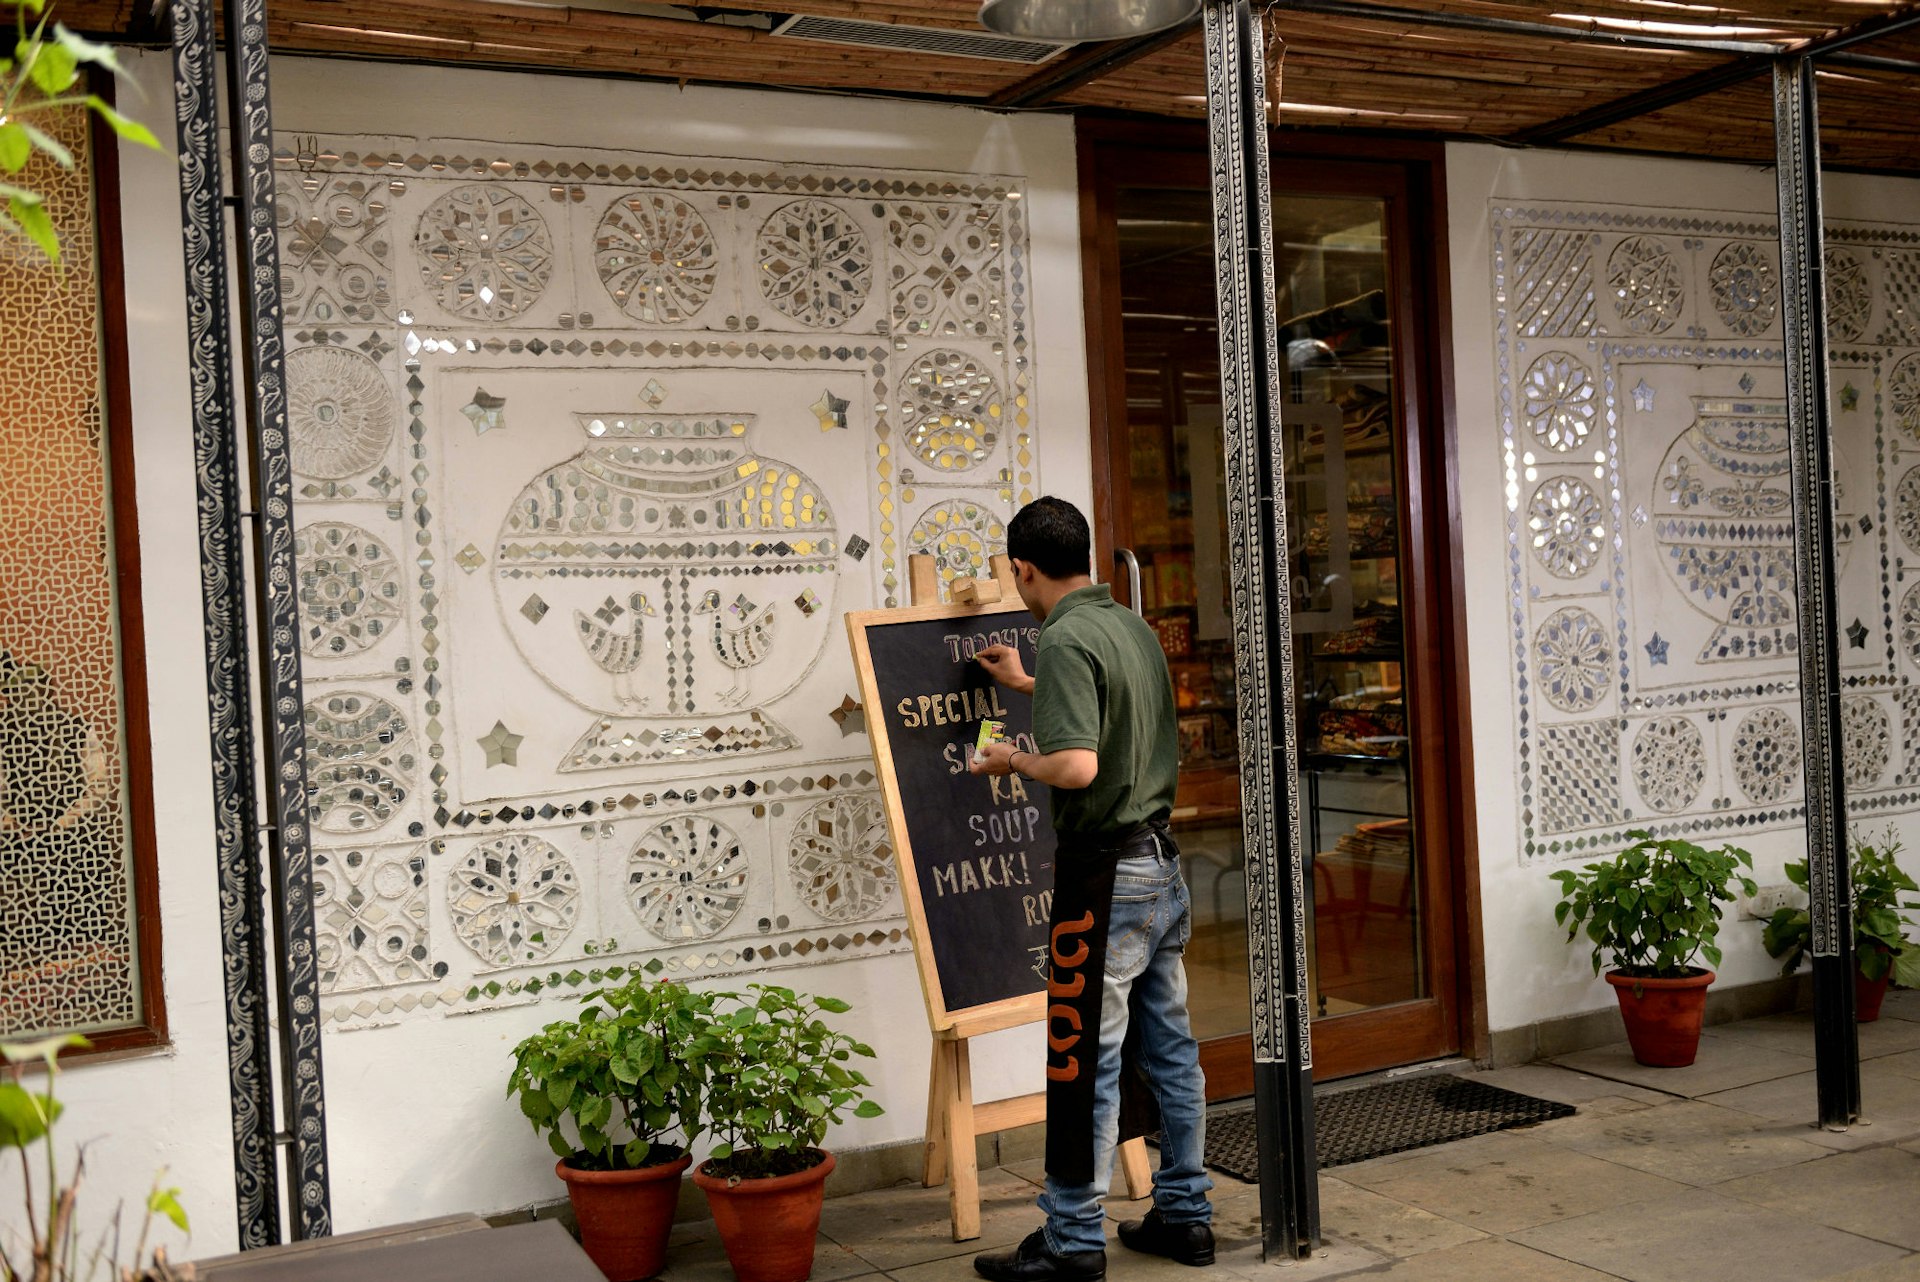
{"x":1901,"y":1003}
{"x":1488,"y":1260}
{"x":1906,"y":1063}
{"x":694,"y":1254}
{"x":1791,"y":1034}
{"x":1689,"y":1141}
{"x":1500,"y":1183}
{"x":1886,"y":1036}
{"x":956,"y":1268}
{"x":897,"y":1227}
{"x":1349,"y":1213}
{"x":1875,"y":1194}
{"x":1889,"y":1101}
{"x":1722,"y":1064}
{"x":1332,"y":1259}
{"x":1705,"y":1236}
{"x":1907,"y":1270}
{"x":1564,"y":1085}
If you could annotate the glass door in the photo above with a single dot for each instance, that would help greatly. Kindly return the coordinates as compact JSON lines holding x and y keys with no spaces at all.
{"x":1372,"y":734}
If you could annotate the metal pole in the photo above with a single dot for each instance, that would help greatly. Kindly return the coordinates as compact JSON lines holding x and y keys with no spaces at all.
{"x":1803,"y":280}
{"x":290,"y":856}
{"x":223,"y":587}
{"x":1251,"y":391}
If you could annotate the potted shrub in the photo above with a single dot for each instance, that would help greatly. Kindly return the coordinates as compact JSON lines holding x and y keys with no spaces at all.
{"x":607,"y":1088}
{"x":55,"y":1249}
{"x":1649,"y":912}
{"x":777,"y":1078}
{"x":1881,"y":949}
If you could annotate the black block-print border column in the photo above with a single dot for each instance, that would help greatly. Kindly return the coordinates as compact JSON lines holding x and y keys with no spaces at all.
{"x":223,"y":600}
{"x":1796,"y":126}
{"x":290,"y":852}
{"x":1250,"y":398}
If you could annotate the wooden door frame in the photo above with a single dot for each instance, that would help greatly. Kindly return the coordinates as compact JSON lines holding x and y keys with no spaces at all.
{"x":1434,"y":610}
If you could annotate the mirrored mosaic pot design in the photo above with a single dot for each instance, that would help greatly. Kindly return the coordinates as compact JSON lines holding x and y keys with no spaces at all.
{"x":651,"y":578}
{"x":1724,"y":525}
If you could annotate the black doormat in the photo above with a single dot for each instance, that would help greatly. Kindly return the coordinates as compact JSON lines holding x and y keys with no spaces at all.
{"x":1389,"y":1117}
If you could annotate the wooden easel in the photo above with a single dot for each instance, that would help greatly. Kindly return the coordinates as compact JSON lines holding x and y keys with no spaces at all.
{"x":954,"y":1121}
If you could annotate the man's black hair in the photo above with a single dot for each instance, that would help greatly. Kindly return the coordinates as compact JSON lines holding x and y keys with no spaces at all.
{"x":1050,"y":535}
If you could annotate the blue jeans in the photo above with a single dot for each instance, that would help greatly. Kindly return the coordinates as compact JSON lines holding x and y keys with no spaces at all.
{"x":1146,"y":942}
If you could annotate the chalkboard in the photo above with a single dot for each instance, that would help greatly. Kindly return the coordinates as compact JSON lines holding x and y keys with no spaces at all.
{"x":975,"y":854}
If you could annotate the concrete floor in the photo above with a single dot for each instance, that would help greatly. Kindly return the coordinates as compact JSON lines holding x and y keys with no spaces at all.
{"x":1663,"y":1175}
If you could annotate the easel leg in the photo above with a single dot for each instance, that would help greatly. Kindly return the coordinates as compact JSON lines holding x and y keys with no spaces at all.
{"x":939,"y":1096}
{"x":1136,"y":1168}
{"x":963,"y":1192}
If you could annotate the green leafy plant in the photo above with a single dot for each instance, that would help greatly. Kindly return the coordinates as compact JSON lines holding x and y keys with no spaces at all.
{"x":608,"y":1087}
{"x":44,"y":74}
{"x":55,"y":1252}
{"x":1653,"y":907}
{"x":778,"y":1077}
{"x":1880,"y":942}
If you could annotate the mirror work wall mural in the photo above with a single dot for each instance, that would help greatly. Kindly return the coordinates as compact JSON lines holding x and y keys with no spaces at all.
{"x":1649,"y":529}
{"x":592,"y":452}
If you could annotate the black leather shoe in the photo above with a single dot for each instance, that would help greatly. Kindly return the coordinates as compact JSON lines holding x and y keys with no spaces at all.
{"x":1032,"y":1262}
{"x":1187,"y":1243}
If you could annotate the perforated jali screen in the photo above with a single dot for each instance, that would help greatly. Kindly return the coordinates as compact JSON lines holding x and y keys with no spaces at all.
{"x":68,"y":955}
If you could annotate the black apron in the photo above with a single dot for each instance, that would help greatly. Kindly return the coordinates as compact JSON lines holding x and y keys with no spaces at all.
{"x":1076,"y":982}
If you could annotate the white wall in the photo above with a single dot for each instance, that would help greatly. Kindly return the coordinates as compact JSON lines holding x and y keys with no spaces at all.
{"x":418,"y":1120}
{"x":1532,"y":974}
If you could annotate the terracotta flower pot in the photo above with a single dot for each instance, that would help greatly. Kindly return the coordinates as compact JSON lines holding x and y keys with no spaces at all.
{"x":1867,"y":996}
{"x":625,"y":1216}
{"x":769,"y":1225}
{"x":1663,"y":1016}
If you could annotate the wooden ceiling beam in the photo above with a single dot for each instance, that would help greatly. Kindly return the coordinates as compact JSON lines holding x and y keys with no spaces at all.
{"x":1085,"y":65}
{"x":1714,"y":79}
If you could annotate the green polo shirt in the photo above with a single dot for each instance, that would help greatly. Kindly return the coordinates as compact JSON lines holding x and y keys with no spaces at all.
{"x":1100,"y":681}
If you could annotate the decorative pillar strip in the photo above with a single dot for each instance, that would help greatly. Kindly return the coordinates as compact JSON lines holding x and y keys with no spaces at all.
{"x":1803,"y":293}
{"x":290,"y":861}
{"x":1250,"y":391}
{"x":223,"y":586}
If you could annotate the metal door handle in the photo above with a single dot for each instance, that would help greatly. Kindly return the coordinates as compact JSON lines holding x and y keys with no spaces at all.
{"x":1126,"y":557}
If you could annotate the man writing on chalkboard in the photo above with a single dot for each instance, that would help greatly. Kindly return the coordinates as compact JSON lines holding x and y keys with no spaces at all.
{"x":1117,"y":1028}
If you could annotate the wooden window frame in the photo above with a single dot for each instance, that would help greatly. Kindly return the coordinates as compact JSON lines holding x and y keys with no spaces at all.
{"x":136,"y":798}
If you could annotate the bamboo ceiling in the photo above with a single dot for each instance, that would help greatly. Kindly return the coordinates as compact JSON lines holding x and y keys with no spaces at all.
{"x":1338,"y":72}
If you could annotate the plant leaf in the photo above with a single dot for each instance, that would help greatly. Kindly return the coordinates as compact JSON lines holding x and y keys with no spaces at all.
{"x":167,"y":1202}
{"x":54,"y":69}
{"x":30,"y":215}
{"x":24,"y":1116}
{"x":131,"y":130}
{"x":15,"y":146}
{"x":86,"y":51}
{"x":47,"y":1048}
